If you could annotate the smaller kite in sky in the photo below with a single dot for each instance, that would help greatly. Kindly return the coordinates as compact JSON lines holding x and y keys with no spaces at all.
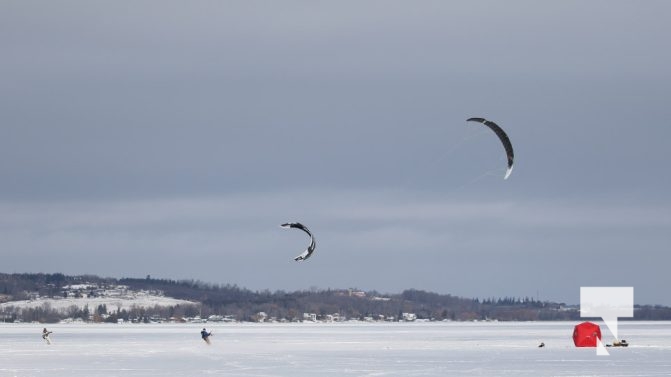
{"x":507,"y":145}
{"x":311,"y":248}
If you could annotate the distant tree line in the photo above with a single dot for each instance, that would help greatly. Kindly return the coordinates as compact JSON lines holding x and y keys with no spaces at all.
{"x":245,"y":305}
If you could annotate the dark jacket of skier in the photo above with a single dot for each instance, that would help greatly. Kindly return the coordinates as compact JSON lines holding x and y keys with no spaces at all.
{"x":45,"y":335}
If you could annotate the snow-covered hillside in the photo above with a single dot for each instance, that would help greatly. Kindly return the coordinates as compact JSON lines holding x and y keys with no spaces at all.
{"x":112,"y":303}
{"x":114,"y":298}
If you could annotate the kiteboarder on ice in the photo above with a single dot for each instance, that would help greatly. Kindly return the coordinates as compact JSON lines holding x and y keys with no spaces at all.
{"x":45,"y":335}
{"x":206,"y":336}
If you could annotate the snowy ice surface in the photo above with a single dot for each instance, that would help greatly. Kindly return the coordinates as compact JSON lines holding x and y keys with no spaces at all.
{"x":330,"y":349}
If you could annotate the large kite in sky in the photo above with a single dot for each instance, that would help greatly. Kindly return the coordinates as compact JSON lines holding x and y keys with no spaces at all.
{"x":507,"y":145}
{"x":306,"y":254}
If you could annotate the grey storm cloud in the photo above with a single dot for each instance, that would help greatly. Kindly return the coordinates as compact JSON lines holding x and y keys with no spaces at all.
{"x":171,"y":138}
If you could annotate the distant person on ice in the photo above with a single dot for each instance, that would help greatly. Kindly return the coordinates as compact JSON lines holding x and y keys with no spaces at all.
{"x":206,"y":336}
{"x":45,"y":335}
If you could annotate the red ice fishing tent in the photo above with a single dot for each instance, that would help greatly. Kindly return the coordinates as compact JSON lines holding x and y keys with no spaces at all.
{"x":586,"y":334}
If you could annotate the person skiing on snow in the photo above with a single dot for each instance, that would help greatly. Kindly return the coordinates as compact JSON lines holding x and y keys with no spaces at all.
{"x":45,"y":335}
{"x":206,"y":336}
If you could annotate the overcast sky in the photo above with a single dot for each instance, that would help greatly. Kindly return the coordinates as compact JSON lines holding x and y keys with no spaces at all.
{"x":171,"y":138}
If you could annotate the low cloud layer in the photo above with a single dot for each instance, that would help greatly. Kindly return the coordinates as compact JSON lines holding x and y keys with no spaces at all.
{"x":390,"y":242}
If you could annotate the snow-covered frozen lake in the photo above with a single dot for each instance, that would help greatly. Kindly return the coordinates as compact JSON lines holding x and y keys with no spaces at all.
{"x":334,"y":349}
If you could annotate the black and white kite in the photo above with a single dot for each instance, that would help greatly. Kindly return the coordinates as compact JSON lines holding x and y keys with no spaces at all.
{"x":311,"y":248}
{"x":507,"y":145}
